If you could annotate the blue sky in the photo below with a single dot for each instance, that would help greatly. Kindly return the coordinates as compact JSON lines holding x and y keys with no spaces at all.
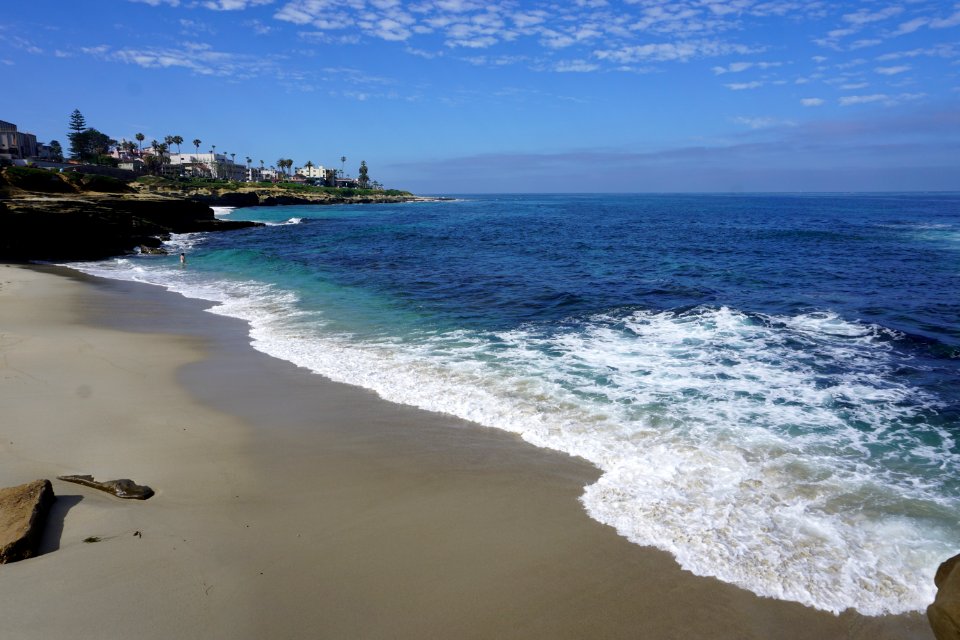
{"x":460,"y":96}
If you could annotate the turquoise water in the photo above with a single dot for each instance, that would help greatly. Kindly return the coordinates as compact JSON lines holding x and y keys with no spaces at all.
{"x":769,"y":383}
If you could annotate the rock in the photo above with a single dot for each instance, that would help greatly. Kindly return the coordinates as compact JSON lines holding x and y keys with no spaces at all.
{"x":89,"y":227}
{"x":23,"y":513}
{"x":123,"y":488}
{"x":944,"y":613}
{"x":152,"y":251}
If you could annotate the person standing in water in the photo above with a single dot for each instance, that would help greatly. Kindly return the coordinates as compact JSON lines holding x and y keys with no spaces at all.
{"x":183,"y":259}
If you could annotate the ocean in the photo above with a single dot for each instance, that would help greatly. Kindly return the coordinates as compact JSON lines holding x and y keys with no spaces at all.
{"x":770,"y":384}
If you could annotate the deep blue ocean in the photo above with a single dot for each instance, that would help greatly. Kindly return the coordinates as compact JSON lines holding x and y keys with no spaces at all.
{"x":770,"y":384}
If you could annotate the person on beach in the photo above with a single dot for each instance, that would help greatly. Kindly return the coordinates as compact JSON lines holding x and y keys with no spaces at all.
{"x":183,"y":259}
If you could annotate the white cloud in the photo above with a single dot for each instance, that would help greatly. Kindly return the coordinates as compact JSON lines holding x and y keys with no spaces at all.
{"x":733,"y":67}
{"x":887,"y":100}
{"x":741,"y":86}
{"x":846,"y":101}
{"x":950,"y":21}
{"x":811,"y":102}
{"x":866,"y":42}
{"x":937,"y":51}
{"x":762,"y":122}
{"x":910,"y":26}
{"x":233,"y":5}
{"x":863,"y":16}
{"x":575,"y":66}
{"x":891,"y":71}
{"x":671,"y":51}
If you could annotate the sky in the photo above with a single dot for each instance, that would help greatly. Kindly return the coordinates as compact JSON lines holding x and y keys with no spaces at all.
{"x":462,"y":96}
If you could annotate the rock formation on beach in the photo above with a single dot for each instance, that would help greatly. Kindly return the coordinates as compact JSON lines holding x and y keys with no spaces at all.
{"x":944,"y":613}
{"x":47,"y":216}
{"x":23,"y":514}
{"x":77,"y":216}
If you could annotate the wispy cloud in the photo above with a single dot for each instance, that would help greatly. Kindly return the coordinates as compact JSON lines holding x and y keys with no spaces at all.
{"x":812,"y":102}
{"x":741,"y":86}
{"x":888,"y":100}
{"x":891,"y":71}
{"x":197,"y":57}
{"x":762,"y":122}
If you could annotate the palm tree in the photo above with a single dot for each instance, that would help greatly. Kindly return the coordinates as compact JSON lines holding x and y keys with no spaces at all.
{"x":197,"y":142}
{"x":153,"y":145}
{"x":140,"y":138}
{"x":343,"y":162}
{"x":177,"y":140}
{"x":282,"y":164}
{"x":308,"y":166}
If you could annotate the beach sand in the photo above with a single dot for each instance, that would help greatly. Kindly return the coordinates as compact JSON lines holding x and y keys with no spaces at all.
{"x":289,"y":506}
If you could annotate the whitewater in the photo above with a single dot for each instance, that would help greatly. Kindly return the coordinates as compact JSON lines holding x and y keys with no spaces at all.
{"x":767,"y":383}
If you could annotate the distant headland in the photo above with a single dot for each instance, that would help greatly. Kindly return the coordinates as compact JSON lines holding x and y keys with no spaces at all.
{"x":113,"y":197}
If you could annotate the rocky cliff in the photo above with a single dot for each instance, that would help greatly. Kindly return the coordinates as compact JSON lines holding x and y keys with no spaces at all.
{"x":46,"y":216}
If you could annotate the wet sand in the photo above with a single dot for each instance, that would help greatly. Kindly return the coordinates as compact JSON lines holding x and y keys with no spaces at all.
{"x":289,"y":506}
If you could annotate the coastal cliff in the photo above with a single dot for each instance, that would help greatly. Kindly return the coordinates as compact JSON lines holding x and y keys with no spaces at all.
{"x":241,"y":195}
{"x":49,"y":216}
{"x":86,"y":216}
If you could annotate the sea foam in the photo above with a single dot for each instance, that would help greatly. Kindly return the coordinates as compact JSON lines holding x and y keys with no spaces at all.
{"x":753,"y":448}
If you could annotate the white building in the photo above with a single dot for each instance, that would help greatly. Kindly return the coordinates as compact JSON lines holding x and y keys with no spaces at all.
{"x":313,"y":171}
{"x":212,"y":165}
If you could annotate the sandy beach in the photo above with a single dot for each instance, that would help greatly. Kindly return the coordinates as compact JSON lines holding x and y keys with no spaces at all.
{"x":289,"y":506}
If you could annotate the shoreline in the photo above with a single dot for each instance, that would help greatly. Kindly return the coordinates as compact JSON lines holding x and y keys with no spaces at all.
{"x":294,"y":506}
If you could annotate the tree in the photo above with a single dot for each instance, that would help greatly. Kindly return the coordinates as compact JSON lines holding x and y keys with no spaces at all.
{"x":282,"y":165}
{"x":140,"y":138}
{"x":98,"y":143}
{"x":196,"y":143}
{"x":77,"y":125}
{"x":90,"y":144}
{"x":363,"y":179}
{"x":177,"y":140}
{"x":343,"y":163}
{"x":56,"y":150}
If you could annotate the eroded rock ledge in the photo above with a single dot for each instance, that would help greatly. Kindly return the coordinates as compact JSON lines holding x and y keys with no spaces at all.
{"x":95,"y":226}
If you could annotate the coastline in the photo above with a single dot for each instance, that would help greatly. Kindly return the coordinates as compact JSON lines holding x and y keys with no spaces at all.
{"x":292,"y":506}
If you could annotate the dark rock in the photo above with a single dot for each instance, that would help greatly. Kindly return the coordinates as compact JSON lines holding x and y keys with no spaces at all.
{"x":944,"y":613}
{"x":230,"y":199}
{"x":153,"y":251}
{"x":23,"y":513}
{"x":123,"y":488}
{"x":91,"y":228}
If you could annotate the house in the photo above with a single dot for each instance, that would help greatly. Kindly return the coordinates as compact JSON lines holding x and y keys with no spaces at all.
{"x":210,"y":165}
{"x":313,"y":171}
{"x":16,"y":145}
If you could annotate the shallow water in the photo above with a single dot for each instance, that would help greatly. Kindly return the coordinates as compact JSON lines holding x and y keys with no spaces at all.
{"x":769,"y":383}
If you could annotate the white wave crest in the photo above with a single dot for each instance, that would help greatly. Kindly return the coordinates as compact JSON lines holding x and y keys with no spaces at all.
{"x":752,"y":448}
